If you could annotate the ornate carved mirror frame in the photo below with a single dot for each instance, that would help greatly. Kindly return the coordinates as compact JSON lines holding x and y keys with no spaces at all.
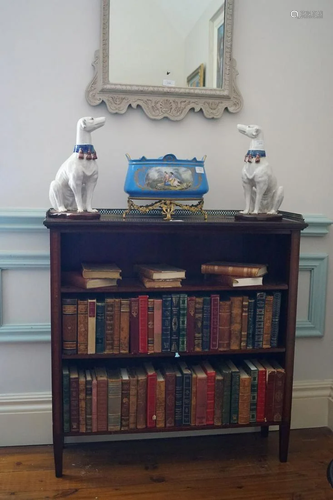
{"x":159,"y":102}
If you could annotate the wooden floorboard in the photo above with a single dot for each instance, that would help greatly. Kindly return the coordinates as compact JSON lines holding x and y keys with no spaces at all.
{"x":227,"y":467}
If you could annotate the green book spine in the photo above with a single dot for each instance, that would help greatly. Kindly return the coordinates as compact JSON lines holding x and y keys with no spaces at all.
{"x":100,"y":327}
{"x":182,"y":321}
{"x":88,"y":401}
{"x":178,"y":398}
{"x":226,"y":372}
{"x":166,"y":323}
{"x":66,"y":399}
{"x":234,"y":398}
{"x":175,"y":322}
{"x":198,"y":324}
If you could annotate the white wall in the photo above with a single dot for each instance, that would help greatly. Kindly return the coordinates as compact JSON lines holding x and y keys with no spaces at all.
{"x":286,"y":71}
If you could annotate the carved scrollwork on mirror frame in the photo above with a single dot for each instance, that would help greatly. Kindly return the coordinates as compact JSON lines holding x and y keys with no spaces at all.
{"x":165,"y":101}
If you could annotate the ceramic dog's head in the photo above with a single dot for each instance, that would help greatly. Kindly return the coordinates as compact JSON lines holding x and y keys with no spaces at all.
{"x":90,"y":124}
{"x":251,"y":131}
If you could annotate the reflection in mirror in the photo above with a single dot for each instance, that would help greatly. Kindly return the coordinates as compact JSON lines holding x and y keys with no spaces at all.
{"x":166,"y":56}
{"x":167,"y":42}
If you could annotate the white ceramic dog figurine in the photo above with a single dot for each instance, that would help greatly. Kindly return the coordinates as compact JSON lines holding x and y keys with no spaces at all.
{"x":74,"y":185}
{"x":262,"y":194}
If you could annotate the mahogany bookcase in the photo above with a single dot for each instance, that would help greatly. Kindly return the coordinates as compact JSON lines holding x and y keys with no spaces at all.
{"x":187,"y":241}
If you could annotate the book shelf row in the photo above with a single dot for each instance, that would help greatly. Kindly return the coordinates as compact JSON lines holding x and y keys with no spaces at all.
{"x":175,"y":322}
{"x":172,"y":395}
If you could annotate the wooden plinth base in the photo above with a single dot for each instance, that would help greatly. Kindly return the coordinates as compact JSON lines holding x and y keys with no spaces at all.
{"x":73,"y":214}
{"x":261,"y":217}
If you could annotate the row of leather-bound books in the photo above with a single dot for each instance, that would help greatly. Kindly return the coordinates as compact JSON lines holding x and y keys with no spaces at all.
{"x":167,"y":395}
{"x":175,"y":322}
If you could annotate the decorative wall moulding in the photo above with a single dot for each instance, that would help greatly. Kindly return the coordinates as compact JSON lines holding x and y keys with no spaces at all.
{"x":22,"y":219}
{"x":314,"y":325}
{"x":318,"y":225}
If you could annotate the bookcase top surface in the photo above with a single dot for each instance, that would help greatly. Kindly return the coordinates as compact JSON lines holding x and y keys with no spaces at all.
{"x":221,"y":219}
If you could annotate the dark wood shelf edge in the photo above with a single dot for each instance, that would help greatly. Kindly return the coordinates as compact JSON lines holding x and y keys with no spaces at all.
{"x":152,"y":430}
{"x":272,"y":350}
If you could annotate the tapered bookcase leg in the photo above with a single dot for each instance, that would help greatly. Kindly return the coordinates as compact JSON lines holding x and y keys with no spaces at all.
{"x":264,"y":431}
{"x":284,"y":433}
{"x":58,"y":452}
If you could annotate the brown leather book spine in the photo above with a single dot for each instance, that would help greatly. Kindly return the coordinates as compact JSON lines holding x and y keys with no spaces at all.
{"x":268,"y":316}
{"x":94,"y":401}
{"x":218,"y":399}
{"x":134,"y":325}
{"x":88,"y":401}
{"x":109,"y":325}
{"x":244,"y":400}
{"x":142,"y":403}
{"x":116,"y":338}
{"x":230,"y":270}
{"x":198,"y":324}
{"x":150,"y":326}
{"x":278,"y":395}
{"x":151,"y":395}
{"x":190,"y":328}
{"x":125,"y":404}
{"x":157,"y":325}
{"x":224,"y":325}
{"x":82,"y":326}
{"x":133,"y":398}
{"x":214,"y":321}
{"x":124,"y":325}
{"x":160,"y":401}
{"x":236,"y":322}
{"x":74,"y":398}
{"x":170,"y":398}
{"x":69,"y":325}
{"x":102,"y":400}
{"x":245,"y":314}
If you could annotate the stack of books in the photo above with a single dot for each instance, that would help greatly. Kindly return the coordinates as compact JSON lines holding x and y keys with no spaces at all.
{"x":234,"y":273}
{"x":160,"y":275}
{"x":93,"y":275}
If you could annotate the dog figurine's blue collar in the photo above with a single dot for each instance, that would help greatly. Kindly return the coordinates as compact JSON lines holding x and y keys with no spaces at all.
{"x":255,"y":152}
{"x":84,"y":147}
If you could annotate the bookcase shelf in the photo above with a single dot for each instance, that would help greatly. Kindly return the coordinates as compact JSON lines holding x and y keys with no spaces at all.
{"x":187,"y":244}
{"x":246,"y":352}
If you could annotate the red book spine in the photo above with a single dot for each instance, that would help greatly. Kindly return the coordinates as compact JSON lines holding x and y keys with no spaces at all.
{"x":201,"y":413}
{"x":134,"y":325}
{"x":170,"y":387}
{"x":210,"y":398}
{"x":143,"y":324}
{"x":190,"y":325}
{"x":214,"y":322}
{"x":261,"y":395}
{"x":269,"y":403}
{"x":151,"y":399}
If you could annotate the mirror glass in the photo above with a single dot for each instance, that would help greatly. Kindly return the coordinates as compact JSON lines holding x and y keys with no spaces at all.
{"x":177,"y":43}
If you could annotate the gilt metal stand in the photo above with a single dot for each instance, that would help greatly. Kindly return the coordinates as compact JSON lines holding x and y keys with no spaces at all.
{"x":167,"y":206}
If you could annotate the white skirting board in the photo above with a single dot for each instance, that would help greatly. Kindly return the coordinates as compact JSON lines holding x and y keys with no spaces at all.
{"x":26,"y":419}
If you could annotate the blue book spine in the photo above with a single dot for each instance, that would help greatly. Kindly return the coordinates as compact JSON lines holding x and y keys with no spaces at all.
{"x":260,"y":314}
{"x":251,"y":324}
{"x":206,"y":324}
{"x":276,"y":318}
{"x":178,"y":399}
{"x":166,"y":323}
{"x":175,"y":322}
{"x":100,"y":327}
{"x":182,"y":321}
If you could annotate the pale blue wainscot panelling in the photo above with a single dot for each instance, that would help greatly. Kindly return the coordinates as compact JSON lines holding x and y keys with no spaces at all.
{"x":22,"y":219}
{"x":317,"y":265}
{"x":26,"y":332}
{"x":318,"y":225}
